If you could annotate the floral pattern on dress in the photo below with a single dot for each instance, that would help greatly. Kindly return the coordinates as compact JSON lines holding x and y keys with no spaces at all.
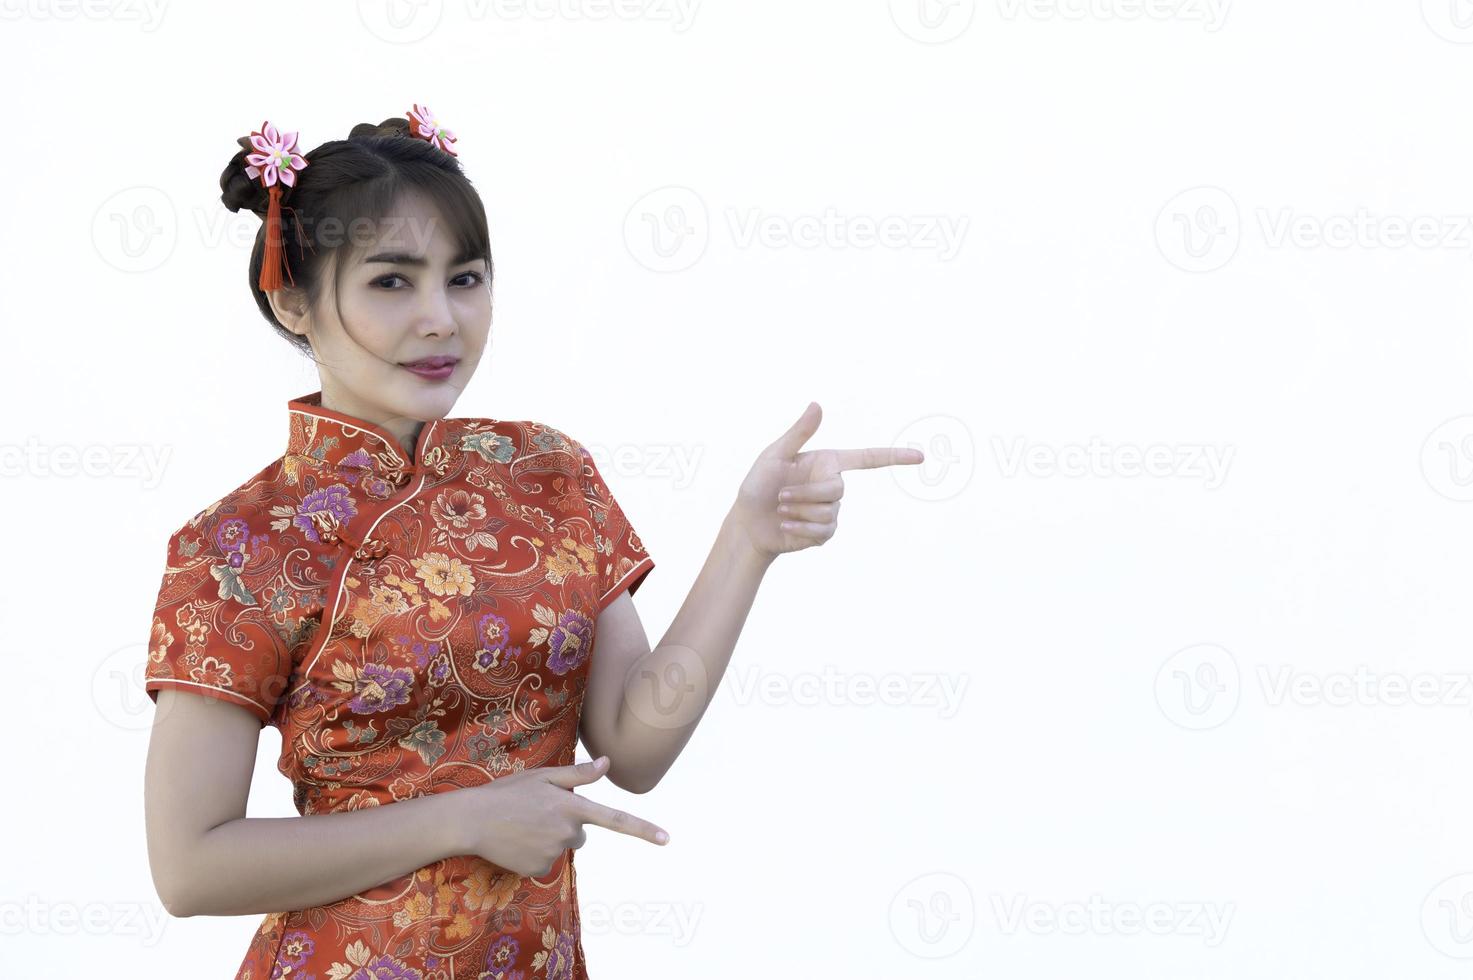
{"x":410,"y":627}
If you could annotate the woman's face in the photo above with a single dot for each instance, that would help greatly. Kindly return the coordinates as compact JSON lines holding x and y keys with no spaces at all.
{"x":404,"y":296}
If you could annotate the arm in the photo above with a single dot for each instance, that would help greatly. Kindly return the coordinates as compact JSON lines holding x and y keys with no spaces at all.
{"x":642,"y":705}
{"x":629,"y":714}
{"x":208,"y":858}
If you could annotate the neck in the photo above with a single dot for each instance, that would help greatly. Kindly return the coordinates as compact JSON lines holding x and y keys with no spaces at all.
{"x":405,"y":431}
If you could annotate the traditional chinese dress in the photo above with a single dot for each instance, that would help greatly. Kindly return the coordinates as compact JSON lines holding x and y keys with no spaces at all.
{"x":410,"y":627}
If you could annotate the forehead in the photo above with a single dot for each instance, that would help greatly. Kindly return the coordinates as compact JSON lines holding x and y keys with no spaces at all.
{"x":412,"y":228}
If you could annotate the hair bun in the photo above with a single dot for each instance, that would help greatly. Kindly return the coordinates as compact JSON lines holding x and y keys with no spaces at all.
{"x":240,"y":191}
{"x":393,"y":126}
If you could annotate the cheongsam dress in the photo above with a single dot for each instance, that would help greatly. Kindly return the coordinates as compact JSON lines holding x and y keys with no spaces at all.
{"x":410,"y":627}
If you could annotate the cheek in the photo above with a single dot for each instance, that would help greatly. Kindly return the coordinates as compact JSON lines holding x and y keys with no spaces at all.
{"x":373,"y":318}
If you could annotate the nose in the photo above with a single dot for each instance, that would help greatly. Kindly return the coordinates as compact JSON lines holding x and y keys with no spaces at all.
{"x":437,"y":318}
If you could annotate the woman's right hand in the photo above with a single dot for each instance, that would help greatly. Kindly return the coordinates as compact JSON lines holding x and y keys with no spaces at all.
{"x":525,"y":821}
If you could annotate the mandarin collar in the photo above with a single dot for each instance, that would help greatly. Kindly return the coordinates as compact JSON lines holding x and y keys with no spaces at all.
{"x":358,"y":452}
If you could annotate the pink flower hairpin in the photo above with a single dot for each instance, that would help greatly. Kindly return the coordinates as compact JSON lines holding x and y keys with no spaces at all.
{"x":425,"y":126}
{"x":275,"y":157}
{"x":275,"y":163}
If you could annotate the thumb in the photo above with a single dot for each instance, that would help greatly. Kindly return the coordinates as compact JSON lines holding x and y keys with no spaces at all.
{"x":787,"y":445}
{"x":580,"y":774}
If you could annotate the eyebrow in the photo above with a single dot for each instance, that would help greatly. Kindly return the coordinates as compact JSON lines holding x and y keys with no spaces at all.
{"x":405,"y":258}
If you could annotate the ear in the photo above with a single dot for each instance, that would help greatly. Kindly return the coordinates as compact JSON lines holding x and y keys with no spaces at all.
{"x":290,"y":306}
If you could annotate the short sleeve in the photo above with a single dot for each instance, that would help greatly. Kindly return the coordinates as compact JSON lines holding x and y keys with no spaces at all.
{"x":211,"y":633}
{"x":622,"y":561}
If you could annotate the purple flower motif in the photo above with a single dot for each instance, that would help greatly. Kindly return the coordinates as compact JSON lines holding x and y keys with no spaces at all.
{"x":569,"y":641}
{"x":295,"y":948}
{"x":379,"y":687}
{"x":231,"y":534}
{"x":560,"y":958}
{"x":502,"y":954}
{"x":385,"y":967}
{"x":439,"y":670}
{"x":357,"y":458}
{"x":334,"y":501}
{"x":492,"y":630}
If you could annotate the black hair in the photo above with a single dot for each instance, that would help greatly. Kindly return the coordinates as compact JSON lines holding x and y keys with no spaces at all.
{"x":346,"y":183}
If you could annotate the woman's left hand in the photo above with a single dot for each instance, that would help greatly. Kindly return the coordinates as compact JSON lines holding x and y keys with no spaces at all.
{"x":790,"y":499}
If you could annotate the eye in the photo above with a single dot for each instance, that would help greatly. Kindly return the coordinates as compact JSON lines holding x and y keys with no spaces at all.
{"x":477,"y":278}
{"x":383,"y":280}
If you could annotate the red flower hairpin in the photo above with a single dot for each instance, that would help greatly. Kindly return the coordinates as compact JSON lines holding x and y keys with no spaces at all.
{"x":275,"y":162}
{"x":424,"y":125}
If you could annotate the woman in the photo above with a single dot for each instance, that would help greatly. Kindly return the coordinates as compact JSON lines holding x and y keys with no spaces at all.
{"x":412,"y":600}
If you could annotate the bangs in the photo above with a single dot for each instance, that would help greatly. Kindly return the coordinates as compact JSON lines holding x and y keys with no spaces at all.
{"x":374,"y":202}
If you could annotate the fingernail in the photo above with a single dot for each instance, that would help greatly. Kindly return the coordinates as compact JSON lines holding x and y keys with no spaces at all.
{"x":662,"y":837}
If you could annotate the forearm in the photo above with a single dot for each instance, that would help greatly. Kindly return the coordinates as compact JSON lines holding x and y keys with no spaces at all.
{"x":668,"y":690}
{"x":255,"y":865}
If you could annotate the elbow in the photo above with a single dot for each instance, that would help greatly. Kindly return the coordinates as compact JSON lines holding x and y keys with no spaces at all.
{"x":175,"y":901}
{"x":176,"y":892}
{"x":636,"y":783}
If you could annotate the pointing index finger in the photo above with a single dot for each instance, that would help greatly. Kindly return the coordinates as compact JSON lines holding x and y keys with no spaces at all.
{"x":873,"y":457}
{"x":620,"y":821}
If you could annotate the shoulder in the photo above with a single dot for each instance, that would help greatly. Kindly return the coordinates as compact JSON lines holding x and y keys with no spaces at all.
{"x":231,"y":518}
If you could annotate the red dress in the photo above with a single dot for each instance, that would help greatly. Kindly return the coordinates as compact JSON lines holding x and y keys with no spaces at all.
{"x":461,"y":591}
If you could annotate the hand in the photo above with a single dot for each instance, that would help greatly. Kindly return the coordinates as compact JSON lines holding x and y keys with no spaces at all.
{"x":525,"y":821}
{"x":811,"y":483}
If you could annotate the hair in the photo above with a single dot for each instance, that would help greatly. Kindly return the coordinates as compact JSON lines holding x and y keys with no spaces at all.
{"x":346,"y":183}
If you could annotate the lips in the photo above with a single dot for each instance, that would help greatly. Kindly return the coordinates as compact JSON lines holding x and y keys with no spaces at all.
{"x":431,"y":363}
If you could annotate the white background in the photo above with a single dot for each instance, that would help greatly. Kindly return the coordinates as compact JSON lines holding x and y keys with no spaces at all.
{"x":1186,"y":227}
